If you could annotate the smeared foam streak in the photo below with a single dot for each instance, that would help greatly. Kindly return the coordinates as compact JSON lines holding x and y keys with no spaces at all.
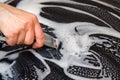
{"x":41,"y":74}
{"x":8,"y":72}
{"x":2,"y":54}
{"x":104,"y":3}
{"x":36,"y":9}
{"x":3,"y":67}
{"x":74,"y":44}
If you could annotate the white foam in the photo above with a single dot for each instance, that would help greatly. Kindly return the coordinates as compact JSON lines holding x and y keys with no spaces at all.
{"x":8,"y":71}
{"x":3,"y":67}
{"x":41,"y":74}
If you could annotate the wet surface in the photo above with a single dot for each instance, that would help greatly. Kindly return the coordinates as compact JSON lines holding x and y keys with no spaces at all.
{"x":89,"y":49}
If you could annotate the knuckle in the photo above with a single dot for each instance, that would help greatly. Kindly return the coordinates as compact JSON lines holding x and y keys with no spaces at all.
{"x":30,"y":21}
{"x":22,"y":28}
{"x":11,"y":35}
{"x":34,"y":17}
{"x":14,"y":33}
{"x":24,"y":23}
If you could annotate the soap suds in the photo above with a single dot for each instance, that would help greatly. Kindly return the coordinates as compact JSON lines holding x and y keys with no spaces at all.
{"x":3,"y":67}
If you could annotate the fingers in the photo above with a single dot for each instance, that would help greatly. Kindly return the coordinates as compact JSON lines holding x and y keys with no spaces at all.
{"x":38,"y":36}
{"x":12,"y":40}
{"x":16,"y":38}
{"x":29,"y":38}
{"x":21,"y":37}
{"x":24,"y":31}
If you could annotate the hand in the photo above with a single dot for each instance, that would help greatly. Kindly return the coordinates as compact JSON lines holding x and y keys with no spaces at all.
{"x":20,"y":27}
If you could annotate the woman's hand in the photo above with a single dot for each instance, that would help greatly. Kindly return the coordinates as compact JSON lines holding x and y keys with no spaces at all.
{"x":20,"y":27}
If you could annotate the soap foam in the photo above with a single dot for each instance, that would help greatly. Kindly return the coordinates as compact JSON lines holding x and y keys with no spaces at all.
{"x":3,"y":67}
